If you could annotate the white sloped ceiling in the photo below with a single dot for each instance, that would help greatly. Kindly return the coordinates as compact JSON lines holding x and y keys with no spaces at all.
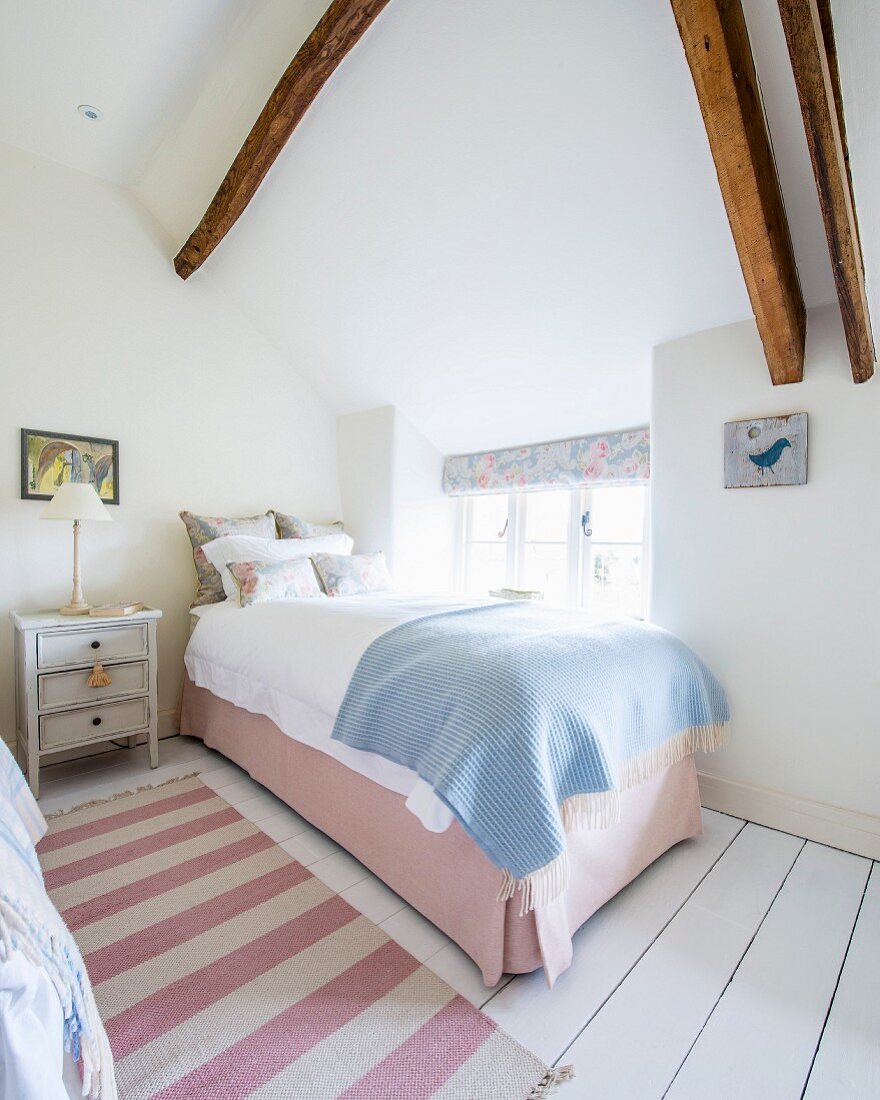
{"x":491,"y":214}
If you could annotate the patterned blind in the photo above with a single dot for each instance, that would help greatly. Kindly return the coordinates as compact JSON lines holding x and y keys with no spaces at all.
{"x":616,"y":458}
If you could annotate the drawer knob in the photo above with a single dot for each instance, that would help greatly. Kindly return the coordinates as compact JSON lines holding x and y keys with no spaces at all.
{"x":96,"y":645}
{"x":96,"y":721}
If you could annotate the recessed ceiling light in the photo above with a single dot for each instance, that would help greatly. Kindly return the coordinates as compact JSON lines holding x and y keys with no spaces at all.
{"x":91,"y":113}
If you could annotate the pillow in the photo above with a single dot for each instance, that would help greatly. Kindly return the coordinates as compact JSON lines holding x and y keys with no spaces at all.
{"x":352,"y":574}
{"x":235,"y":548}
{"x":292,"y":527}
{"x":266,"y":581}
{"x":202,"y":529}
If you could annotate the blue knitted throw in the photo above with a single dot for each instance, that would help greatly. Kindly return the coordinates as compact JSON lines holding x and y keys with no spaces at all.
{"x":528,"y":722}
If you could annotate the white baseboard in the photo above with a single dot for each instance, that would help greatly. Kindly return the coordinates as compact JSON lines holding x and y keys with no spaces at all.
{"x":819,"y":821}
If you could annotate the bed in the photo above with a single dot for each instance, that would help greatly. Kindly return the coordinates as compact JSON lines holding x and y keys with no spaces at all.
{"x":265,"y":685}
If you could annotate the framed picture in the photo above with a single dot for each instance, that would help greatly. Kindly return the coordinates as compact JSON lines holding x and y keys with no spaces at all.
{"x":768,"y":451}
{"x":48,"y":459}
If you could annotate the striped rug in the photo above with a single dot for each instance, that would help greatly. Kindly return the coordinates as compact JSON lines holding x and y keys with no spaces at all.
{"x":224,"y":969}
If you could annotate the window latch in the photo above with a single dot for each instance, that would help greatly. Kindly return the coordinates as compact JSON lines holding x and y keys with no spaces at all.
{"x":503,"y":530}
{"x":585,"y":525}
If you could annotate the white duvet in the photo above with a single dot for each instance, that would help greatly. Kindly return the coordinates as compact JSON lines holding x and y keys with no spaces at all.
{"x":293,"y":661}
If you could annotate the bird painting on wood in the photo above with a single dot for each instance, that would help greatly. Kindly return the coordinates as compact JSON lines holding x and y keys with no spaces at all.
{"x":766,"y":460}
{"x":765,"y":451}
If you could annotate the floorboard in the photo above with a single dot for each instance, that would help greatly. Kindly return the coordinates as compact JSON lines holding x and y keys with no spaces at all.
{"x":760,"y":1040}
{"x":673,"y":989}
{"x":742,"y":965}
{"x":609,"y":945}
{"x":848,"y":1061}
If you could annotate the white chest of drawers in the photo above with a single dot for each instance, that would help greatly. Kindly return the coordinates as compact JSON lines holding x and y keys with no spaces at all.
{"x":55,"y":707}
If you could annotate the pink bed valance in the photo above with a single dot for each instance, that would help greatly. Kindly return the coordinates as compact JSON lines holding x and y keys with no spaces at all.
{"x":615,"y":458}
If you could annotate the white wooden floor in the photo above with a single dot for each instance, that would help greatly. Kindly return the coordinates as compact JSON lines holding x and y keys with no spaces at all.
{"x":744,"y":965}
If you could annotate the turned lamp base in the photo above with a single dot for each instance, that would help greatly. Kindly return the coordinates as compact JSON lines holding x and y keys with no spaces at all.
{"x":77,"y":501}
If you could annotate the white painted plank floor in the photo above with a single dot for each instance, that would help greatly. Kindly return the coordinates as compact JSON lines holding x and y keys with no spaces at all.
{"x":743,"y":965}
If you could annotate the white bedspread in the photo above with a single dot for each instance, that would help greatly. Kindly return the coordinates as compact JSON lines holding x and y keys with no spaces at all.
{"x":293,"y":661}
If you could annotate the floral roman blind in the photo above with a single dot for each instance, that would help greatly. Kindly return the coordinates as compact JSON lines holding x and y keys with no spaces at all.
{"x":622,"y":458}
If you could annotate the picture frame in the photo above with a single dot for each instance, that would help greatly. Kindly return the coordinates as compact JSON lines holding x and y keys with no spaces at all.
{"x":765,"y":451}
{"x":48,"y":459}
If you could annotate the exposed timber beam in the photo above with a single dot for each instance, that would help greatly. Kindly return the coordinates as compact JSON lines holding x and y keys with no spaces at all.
{"x":810,"y":36}
{"x":716,"y":43}
{"x":339,"y":30}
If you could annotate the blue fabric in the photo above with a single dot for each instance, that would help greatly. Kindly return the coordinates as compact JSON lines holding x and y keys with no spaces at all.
{"x":31,"y":924}
{"x":507,"y":710}
{"x":21,"y":823}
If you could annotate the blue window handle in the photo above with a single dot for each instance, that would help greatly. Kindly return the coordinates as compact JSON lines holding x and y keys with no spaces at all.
{"x":585,"y":525}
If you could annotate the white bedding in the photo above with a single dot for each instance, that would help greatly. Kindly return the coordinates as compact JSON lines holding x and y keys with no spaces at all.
{"x":293,"y":661}
{"x":33,"y":1062}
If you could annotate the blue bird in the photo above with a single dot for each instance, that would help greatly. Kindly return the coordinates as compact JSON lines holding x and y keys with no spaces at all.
{"x":766,"y":460}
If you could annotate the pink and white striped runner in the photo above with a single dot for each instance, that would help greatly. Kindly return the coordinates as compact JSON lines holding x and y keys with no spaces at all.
{"x":224,"y":969}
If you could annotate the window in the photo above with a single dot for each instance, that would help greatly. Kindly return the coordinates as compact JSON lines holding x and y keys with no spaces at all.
{"x":580,"y":548}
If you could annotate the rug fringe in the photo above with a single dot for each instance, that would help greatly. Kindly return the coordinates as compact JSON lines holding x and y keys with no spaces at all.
{"x":121,"y":794}
{"x":551,"y":1081}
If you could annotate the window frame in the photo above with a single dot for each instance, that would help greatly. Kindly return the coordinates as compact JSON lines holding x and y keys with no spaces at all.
{"x":579,"y":546}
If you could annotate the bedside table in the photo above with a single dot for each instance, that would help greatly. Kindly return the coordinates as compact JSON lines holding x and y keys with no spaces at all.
{"x":56,"y":709}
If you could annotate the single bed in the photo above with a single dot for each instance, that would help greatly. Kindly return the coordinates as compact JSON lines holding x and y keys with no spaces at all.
{"x":264,"y":685}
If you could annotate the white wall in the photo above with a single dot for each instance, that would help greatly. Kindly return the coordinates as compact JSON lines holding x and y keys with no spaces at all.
{"x":777,"y":589}
{"x":100,"y":337}
{"x":390,"y":481}
{"x":424,"y":518}
{"x":365,"y":445}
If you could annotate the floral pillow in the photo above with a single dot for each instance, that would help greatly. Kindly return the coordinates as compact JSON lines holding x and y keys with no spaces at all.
{"x":352,"y":574}
{"x":220,"y":552}
{"x":267,"y":581}
{"x":292,"y":527}
{"x":202,"y":529}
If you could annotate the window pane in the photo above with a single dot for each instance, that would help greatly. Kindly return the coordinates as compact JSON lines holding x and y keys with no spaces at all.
{"x":544,"y":567}
{"x":547,"y":515}
{"x":615,"y":580}
{"x":486,"y":567}
{"x":488,"y":517}
{"x":617,"y":515}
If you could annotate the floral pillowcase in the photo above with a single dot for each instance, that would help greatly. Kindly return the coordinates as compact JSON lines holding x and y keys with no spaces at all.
{"x":352,"y":574}
{"x":202,"y":529}
{"x":292,"y":527}
{"x":268,"y":581}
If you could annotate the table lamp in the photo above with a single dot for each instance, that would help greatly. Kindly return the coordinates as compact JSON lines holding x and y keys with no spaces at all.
{"x":77,"y":501}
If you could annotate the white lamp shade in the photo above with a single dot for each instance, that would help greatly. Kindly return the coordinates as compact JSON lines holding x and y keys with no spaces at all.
{"x":76,"y":500}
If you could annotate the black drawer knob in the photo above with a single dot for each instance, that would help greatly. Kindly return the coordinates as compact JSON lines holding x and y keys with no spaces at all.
{"x":96,"y":645}
{"x":96,"y":721}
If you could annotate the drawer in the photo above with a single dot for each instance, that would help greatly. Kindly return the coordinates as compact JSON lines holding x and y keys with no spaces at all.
{"x":90,"y":723}
{"x":77,"y":647}
{"x":64,"y":689}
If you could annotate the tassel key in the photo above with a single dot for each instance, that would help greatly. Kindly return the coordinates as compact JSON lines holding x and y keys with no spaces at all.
{"x":99,"y":678}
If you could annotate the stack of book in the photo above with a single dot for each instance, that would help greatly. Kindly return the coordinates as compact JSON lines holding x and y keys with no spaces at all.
{"x":115,"y":610}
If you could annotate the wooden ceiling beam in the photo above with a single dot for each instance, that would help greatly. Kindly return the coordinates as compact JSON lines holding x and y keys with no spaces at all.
{"x":810,"y":37}
{"x":340,"y":29}
{"x":716,"y":44}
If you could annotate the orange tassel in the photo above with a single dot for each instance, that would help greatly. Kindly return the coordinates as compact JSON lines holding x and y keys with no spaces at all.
{"x":99,"y":678}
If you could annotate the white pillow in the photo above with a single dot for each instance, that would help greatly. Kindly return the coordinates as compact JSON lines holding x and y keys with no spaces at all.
{"x":248,"y":548}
